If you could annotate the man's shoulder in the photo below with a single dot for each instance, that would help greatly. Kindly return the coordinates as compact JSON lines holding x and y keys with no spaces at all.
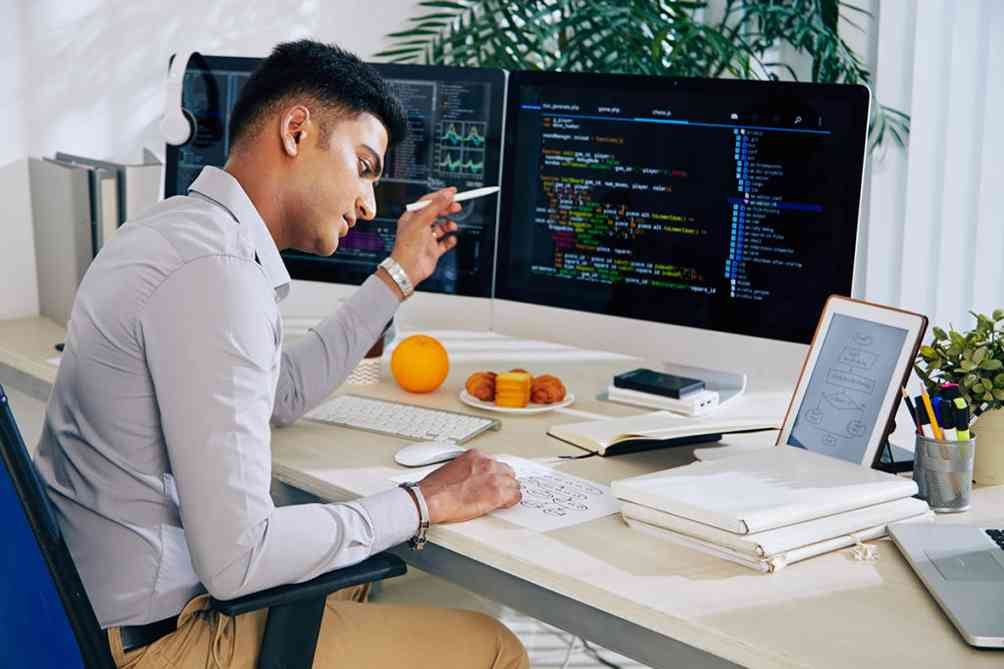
{"x":171,"y":239}
{"x":189,"y":227}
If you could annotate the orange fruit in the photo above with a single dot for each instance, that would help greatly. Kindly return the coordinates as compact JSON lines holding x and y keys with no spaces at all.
{"x":419,"y":364}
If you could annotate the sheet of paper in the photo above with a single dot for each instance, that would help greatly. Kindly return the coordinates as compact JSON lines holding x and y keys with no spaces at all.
{"x":551,"y":499}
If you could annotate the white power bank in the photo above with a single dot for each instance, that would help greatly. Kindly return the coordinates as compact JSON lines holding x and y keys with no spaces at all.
{"x":693,"y":404}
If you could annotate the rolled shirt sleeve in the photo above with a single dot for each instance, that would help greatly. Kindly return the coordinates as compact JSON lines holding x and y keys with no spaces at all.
{"x":213,"y":350}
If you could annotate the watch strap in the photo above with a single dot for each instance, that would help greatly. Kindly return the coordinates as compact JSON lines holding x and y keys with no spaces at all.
{"x":398,"y":276}
{"x":418,"y":541}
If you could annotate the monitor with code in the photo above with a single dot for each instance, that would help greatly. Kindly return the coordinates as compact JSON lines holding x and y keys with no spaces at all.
{"x":455,"y":137}
{"x":717,"y":204}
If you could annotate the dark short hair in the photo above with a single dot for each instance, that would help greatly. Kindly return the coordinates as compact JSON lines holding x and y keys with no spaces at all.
{"x":333,"y":77}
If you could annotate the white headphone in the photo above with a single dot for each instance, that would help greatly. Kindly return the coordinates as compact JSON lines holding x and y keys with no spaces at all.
{"x":177,"y":125}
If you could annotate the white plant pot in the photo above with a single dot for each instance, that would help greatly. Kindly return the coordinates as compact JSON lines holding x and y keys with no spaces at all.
{"x":988,"y":468}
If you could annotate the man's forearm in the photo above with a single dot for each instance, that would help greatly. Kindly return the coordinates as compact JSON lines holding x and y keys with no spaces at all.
{"x":281,"y":552}
{"x":315,"y":366}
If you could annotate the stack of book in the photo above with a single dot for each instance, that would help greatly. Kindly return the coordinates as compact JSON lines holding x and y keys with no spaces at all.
{"x":768,"y":508}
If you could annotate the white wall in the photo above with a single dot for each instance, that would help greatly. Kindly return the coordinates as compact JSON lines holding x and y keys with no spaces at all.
{"x":98,"y":66}
{"x":18,"y":291}
{"x":86,"y":76}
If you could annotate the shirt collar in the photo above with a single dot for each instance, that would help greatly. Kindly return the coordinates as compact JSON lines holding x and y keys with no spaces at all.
{"x":223,"y":189}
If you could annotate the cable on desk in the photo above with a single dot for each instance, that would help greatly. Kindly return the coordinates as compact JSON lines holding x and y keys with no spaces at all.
{"x":595,"y":654}
{"x":571,"y":649}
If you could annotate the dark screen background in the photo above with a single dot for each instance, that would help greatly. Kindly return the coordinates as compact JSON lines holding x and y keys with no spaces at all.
{"x":455,"y":137}
{"x":722,"y":205}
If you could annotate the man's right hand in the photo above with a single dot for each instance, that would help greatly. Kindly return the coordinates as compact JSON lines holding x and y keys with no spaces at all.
{"x":422,"y":238}
{"x":471,"y":485}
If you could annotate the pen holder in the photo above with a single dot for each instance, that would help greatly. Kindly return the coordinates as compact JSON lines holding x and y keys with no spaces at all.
{"x":943,"y":471}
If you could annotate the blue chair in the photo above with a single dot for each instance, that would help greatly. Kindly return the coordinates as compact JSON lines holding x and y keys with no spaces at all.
{"x":47,"y":621}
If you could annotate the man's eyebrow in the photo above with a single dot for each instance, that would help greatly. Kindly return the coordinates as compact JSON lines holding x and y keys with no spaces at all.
{"x":375,"y":157}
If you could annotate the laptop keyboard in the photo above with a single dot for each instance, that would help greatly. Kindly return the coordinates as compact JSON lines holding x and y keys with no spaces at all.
{"x":997,"y":536}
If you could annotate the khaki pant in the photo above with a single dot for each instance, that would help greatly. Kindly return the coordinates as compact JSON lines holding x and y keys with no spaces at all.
{"x":353,"y":635}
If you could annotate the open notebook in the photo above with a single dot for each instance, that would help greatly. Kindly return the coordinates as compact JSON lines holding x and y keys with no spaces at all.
{"x":611,"y":436}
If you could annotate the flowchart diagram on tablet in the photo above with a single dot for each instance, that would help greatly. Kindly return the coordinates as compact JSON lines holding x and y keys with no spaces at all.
{"x":849,"y":381}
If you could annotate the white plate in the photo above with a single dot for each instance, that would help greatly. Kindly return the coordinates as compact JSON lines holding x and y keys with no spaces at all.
{"x":472,"y":401}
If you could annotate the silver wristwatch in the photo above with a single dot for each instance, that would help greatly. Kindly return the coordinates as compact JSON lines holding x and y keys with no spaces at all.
{"x":417,"y":542}
{"x":399,"y":276}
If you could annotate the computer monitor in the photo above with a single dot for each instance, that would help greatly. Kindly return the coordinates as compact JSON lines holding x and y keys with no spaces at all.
{"x":209,"y":92}
{"x":455,"y":139}
{"x":717,"y":204}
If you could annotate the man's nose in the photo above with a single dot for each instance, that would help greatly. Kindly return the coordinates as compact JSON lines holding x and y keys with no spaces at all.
{"x":366,"y":204}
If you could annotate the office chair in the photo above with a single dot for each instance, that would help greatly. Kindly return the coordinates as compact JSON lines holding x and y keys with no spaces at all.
{"x":46,"y":619}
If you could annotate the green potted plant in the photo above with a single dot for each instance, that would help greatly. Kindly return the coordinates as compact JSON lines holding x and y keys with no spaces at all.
{"x":681,"y":38}
{"x":973,"y":359}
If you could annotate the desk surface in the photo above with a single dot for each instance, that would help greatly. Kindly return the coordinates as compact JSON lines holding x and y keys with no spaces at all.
{"x":828,"y":611}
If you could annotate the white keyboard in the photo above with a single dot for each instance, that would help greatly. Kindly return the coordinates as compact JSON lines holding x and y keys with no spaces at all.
{"x":397,"y":419}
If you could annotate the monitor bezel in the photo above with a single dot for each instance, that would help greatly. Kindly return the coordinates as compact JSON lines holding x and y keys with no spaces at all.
{"x":858,"y":96}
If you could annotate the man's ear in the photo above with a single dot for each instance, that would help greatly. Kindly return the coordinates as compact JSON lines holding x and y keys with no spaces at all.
{"x":295,"y":122}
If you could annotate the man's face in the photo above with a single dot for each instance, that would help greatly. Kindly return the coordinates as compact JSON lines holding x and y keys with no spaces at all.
{"x":332,"y":186}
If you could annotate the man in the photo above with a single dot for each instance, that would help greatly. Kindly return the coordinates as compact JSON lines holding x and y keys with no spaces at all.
{"x":155,"y":449}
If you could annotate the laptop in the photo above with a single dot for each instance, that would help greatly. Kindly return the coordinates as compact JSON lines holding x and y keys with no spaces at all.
{"x":963,"y":568}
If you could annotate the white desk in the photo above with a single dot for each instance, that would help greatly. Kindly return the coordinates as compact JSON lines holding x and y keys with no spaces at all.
{"x":664,"y":605}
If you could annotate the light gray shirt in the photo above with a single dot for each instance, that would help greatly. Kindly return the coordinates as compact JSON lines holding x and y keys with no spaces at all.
{"x":156,"y":445}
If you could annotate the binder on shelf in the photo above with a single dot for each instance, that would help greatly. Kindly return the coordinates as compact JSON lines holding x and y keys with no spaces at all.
{"x":63,"y":230}
{"x":138,"y":184}
{"x":102,"y":201}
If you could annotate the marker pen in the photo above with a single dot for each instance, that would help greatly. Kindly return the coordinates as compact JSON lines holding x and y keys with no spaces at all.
{"x":962,"y":419}
{"x":936,"y":405}
{"x":950,"y":391}
{"x":947,"y":421}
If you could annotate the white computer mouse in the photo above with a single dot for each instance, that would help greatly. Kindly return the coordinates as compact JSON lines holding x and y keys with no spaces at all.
{"x":427,"y":453}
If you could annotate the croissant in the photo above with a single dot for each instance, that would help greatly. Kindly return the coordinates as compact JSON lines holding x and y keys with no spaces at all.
{"x":482,"y":386}
{"x":547,"y":389}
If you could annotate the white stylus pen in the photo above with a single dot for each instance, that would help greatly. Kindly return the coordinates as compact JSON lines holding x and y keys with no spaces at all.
{"x":459,"y":197}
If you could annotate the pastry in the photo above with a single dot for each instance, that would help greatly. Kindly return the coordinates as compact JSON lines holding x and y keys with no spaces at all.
{"x":546,"y":389}
{"x":512,"y":389}
{"x":482,"y":386}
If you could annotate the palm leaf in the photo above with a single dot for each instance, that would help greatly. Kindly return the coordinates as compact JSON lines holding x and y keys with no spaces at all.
{"x":660,"y":37}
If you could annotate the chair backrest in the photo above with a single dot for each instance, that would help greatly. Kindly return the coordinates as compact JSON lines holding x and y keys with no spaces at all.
{"x":46,"y":619}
